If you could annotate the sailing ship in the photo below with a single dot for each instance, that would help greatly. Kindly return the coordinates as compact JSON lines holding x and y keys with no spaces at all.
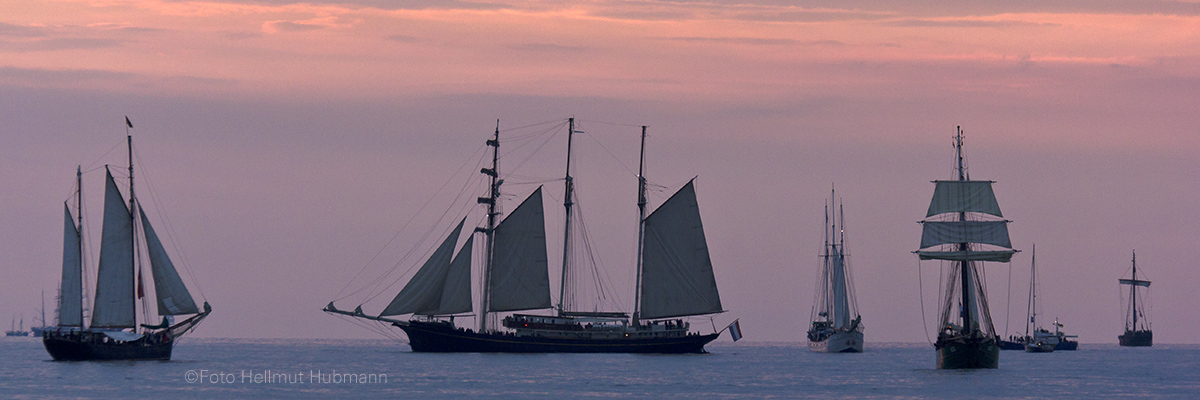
{"x":37,"y":330}
{"x":14,"y":331}
{"x":674,"y":280}
{"x":1042,"y":341}
{"x":965,"y":227}
{"x":832,"y":329}
{"x":113,"y":332}
{"x":1136,"y":334}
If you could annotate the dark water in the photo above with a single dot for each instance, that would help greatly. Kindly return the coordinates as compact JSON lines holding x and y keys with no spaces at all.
{"x":212,"y":368}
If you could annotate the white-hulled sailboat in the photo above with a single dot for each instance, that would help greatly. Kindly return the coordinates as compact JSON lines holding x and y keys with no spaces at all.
{"x":674,"y":280}
{"x":965,"y":227}
{"x":113,"y":332}
{"x":836,"y":325}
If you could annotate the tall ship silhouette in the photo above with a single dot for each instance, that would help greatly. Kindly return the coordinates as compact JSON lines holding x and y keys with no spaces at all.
{"x":964,"y":228}
{"x":674,"y":280}
{"x":1137,"y":331}
{"x":113,"y":332}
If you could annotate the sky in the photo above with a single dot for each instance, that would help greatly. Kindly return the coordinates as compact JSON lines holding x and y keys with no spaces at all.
{"x":286,"y":146}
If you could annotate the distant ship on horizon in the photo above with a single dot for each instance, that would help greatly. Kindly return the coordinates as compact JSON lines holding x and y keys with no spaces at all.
{"x":836,"y":326}
{"x":674,"y":280}
{"x":1136,"y":334}
{"x":113,"y":332}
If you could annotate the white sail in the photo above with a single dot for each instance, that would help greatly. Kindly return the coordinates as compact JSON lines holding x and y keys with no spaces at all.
{"x":677,"y":276}
{"x":456,"y":297}
{"x":519,"y":276}
{"x":173,"y":297}
{"x":840,"y":315}
{"x":114,"y":304}
{"x":953,"y":232}
{"x":70,"y":308}
{"x":963,"y":196}
{"x":423,"y":293}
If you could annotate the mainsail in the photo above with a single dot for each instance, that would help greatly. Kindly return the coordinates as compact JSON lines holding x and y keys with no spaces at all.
{"x":677,"y":276}
{"x":456,"y":297}
{"x":424,"y":292}
{"x":173,"y":297}
{"x":114,"y":305}
{"x":70,"y":308}
{"x":519,"y":276}
{"x":841,"y":300}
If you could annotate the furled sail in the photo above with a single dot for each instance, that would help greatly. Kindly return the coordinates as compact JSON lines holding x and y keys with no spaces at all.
{"x":996,"y":256}
{"x":1134,"y":282}
{"x":841,"y":301}
{"x":963,"y":196}
{"x":173,"y":296}
{"x":677,"y":276}
{"x":456,"y":297}
{"x":70,"y":308}
{"x":519,"y":276}
{"x":114,"y":306}
{"x":952,"y":232}
{"x":423,"y":293}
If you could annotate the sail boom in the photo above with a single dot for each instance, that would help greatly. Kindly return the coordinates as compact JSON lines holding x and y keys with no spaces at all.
{"x":995,"y":256}
{"x":1134,"y":282}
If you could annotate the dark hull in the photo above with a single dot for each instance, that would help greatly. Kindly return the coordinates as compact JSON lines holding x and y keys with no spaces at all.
{"x":968,"y":354}
{"x":1066,"y":345}
{"x":1137,"y":338}
{"x":1007,"y":345}
{"x":442,"y":338}
{"x":93,"y":347}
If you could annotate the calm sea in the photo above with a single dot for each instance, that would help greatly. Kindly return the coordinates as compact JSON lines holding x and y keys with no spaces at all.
{"x":213,"y":368}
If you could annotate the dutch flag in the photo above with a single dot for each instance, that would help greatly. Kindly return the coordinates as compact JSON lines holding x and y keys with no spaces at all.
{"x":735,"y":330}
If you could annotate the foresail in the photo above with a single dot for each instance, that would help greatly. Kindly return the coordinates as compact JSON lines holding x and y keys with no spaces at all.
{"x":519,"y":276}
{"x":114,"y":305}
{"x":841,"y":299}
{"x":953,"y":232}
{"x":963,"y":196}
{"x":173,"y":297}
{"x":456,"y":297}
{"x":423,"y":292}
{"x":70,"y":309}
{"x":677,"y":276}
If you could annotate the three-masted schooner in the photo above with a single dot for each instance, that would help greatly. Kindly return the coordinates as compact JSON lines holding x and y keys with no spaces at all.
{"x":1137,"y":333}
{"x":964,"y":226}
{"x":836,"y":325}
{"x":674,"y":280}
{"x":113,"y":332}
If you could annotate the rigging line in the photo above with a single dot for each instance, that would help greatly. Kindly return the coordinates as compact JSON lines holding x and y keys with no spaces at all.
{"x":425,"y":255}
{"x":555,"y":131}
{"x":610,"y":123}
{"x":559,"y":121}
{"x":921,"y":289}
{"x":185,"y":261}
{"x":402,"y":228}
{"x":1008,"y":301}
{"x":105,"y":155}
{"x":377,"y":289}
{"x":610,"y":153}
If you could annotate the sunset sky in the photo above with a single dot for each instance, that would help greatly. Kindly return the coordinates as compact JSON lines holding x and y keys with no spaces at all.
{"x":287,"y":143}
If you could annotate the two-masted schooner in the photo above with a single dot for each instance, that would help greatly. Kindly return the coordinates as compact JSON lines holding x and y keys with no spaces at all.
{"x":674,"y":280}
{"x":836,"y":326}
{"x":965,"y":227}
{"x":113,"y":332}
{"x":1137,"y":332}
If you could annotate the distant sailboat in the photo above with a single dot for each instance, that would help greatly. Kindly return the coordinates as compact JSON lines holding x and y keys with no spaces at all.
{"x":113,"y":333}
{"x":37,"y":330}
{"x":833,"y":330}
{"x":1136,"y":334}
{"x":1041,"y":341}
{"x":674,"y":279}
{"x":15,"y":331}
{"x":962,"y":219}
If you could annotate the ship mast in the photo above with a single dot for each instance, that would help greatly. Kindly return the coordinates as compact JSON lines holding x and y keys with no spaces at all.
{"x":1031,"y":312}
{"x":79,"y":237}
{"x":1133,"y":293}
{"x":569,"y":188}
{"x":133,"y":226}
{"x":964,"y":247}
{"x":490,"y":200}
{"x":637,"y":294}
